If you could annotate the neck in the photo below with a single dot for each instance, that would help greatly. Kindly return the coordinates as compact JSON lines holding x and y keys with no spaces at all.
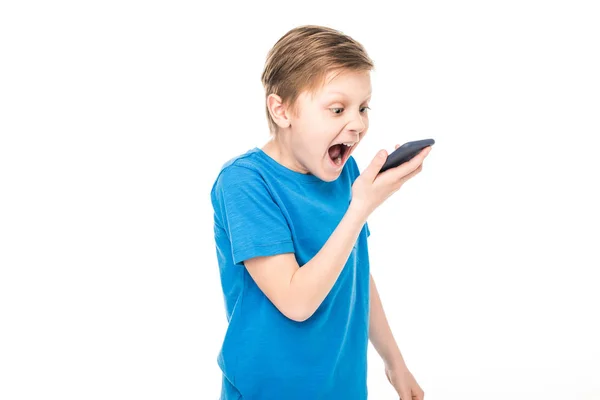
{"x":277,"y":148}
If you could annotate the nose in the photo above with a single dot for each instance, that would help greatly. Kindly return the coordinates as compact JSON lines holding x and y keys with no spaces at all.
{"x":357,"y":124}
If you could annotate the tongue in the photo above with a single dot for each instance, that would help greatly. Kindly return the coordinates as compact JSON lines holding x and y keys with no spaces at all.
{"x":335,"y":151}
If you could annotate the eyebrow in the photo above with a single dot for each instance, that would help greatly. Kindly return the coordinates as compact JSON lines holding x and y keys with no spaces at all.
{"x":344,"y":95}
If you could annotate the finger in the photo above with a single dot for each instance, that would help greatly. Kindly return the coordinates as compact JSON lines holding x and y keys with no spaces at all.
{"x":373,"y":169}
{"x":411,"y":165}
{"x":420,"y":394}
{"x":426,"y":151}
{"x":413,"y":173}
{"x":418,"y":159}
{"x":422,"y":154}
{"x":405,"y":396}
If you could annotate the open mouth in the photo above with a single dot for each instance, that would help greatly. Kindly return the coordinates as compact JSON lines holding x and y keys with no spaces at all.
{"x":338,"y":153}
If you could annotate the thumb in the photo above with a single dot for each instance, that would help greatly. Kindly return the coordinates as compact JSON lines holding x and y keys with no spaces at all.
{"x":373,"y":169}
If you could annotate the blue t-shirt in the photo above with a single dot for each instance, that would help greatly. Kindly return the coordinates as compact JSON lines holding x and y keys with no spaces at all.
{"x":262,"y":208}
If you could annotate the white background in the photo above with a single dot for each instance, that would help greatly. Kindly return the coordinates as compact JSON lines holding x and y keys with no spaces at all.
{"x":116,"y":116}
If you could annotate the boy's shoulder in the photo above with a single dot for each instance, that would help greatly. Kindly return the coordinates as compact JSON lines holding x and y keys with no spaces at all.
{"x":248,"y":159}
{"x":238,"y":169}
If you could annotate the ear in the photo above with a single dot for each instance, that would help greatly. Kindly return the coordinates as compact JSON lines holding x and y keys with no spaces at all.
{"x":278,"y":111}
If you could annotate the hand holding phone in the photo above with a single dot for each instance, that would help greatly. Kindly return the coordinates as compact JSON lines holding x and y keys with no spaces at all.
{"x":368,"y":192}
{"x":405,"y":152}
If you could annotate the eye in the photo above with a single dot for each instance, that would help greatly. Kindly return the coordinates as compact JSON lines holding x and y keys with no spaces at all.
{"x":364,"y":112}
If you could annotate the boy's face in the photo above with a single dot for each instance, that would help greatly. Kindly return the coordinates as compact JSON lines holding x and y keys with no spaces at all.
{"x":336,"y":114}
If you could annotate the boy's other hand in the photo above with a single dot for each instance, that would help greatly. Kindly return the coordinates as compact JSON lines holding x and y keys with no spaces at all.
{"x":371,"y":189}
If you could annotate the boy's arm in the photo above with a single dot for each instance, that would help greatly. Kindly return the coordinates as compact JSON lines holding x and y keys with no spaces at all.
{"x":380,"y":332}
{"x":298,"y":292}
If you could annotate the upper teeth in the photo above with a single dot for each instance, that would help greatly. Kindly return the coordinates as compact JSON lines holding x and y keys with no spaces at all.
{"x":348,"y":144}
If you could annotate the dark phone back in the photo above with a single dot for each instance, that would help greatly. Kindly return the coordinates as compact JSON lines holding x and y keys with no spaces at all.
{"x":405,"y":152}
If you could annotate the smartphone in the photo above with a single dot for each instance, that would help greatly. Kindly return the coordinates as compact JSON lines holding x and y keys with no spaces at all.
{"x":405,"y":152}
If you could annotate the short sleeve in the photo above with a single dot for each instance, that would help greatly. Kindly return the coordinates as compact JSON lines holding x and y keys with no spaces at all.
{"x":254,"y":223}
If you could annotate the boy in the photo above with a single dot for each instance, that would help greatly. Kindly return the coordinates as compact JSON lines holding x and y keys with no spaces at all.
{"x":291,"y":233}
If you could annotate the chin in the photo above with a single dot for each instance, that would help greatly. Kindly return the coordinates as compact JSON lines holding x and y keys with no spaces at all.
{"x":331,"y":172}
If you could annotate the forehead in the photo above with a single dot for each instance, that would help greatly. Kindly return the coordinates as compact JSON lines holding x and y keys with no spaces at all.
{"x":335,"y":94}
{"x":349,"y":84}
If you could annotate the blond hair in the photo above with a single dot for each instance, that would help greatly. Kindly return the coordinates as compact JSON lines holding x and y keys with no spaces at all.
{"x":301,"y":60}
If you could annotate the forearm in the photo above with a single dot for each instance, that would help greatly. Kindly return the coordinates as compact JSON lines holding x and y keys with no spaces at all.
{"x":311,"y":283}
{"x":380,"y":333}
